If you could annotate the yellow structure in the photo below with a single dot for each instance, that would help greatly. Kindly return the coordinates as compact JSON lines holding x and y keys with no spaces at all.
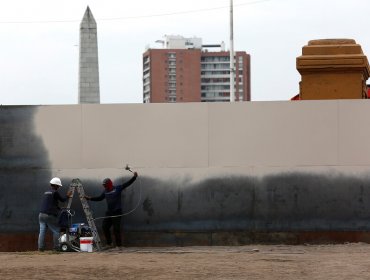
{"x":333,"y":69}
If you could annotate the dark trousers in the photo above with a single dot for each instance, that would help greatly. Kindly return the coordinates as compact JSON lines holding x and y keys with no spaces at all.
{"x":116,"y":223}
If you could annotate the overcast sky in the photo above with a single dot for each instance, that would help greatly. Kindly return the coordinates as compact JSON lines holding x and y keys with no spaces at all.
{"x":39,"y":41}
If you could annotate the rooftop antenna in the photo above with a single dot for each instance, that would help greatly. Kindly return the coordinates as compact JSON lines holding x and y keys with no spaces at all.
{"x":232,"y":64}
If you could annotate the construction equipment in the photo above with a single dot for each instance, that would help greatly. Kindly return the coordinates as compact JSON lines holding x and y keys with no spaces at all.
{"x":71,"y":239}
{"x":128,"y":168}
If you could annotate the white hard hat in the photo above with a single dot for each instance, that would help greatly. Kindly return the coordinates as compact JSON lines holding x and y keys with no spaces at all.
{"x":56,"y":181}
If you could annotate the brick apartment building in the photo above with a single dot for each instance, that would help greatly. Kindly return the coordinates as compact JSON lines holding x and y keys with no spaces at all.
{"x":184,"y":70}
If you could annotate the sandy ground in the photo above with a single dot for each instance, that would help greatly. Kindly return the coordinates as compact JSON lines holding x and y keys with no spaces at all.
{"x":348,"y":261}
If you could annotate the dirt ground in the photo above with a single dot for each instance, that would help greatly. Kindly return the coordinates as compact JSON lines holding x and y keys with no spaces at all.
{"x":283,"y":262}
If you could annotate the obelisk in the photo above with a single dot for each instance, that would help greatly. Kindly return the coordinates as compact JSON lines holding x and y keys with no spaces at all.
{"x":88,"y":76}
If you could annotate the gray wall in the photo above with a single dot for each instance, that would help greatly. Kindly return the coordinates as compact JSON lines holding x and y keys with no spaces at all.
{"x":259,"y":166}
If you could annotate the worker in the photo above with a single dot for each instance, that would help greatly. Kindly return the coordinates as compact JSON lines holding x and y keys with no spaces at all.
{"x":112,"y":195}
{"x":48,"y":216}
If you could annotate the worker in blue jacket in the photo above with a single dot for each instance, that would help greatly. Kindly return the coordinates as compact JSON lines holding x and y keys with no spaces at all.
{"x":49,"y":212}
{"x":112,"y":194}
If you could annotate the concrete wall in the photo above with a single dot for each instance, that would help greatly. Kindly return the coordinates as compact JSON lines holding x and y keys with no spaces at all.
{"x":258,"y":167}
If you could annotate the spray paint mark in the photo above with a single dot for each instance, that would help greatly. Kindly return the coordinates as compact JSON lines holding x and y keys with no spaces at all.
{"x":6,"y":213}
{"x":24,"y":168}
{"x":148,"y":207}
{"x":179,"y":201}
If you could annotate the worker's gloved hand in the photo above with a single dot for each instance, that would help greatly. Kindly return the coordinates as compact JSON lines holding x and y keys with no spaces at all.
{"x":87,"y":197}
{"x":69,"y":194}
{"x":135,"y":174}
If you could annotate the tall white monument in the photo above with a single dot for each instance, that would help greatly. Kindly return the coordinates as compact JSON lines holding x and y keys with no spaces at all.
{"x":88,"y":78}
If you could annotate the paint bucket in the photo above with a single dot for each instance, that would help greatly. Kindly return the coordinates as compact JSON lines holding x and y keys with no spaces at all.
{"x":86,"y":244}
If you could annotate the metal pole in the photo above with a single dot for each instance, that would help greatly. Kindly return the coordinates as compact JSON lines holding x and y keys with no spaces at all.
{"x":232,"y":64}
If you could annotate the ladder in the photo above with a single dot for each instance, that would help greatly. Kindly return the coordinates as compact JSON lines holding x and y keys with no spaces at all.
{"x":77,"y":185}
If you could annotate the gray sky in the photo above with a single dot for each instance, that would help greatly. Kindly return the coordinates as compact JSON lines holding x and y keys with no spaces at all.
{"x":39,"y":38}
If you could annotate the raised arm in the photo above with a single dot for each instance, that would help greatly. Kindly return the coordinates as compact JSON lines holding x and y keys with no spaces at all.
{"x":129,"y":182}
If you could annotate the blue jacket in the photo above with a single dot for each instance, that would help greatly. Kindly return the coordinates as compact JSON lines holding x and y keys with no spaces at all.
{"x":50,"y":200}
{"x":113,"y":197}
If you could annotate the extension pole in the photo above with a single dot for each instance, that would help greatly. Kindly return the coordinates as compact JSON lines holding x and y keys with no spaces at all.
{"x":232,"y":64}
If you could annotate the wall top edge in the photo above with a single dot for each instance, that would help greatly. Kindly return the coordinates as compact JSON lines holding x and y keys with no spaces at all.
{"x":213,"y":104}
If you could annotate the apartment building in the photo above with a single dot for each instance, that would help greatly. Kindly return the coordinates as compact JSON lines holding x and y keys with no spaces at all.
{"x":184,"y":70}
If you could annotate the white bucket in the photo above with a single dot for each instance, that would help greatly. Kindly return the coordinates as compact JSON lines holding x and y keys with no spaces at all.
{"x":86,"y":244}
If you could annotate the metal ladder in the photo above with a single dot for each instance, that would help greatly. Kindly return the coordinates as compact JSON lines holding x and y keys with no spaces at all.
{"x":77,"y":185}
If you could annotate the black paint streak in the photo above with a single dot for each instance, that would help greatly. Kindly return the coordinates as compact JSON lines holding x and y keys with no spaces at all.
{"x":282,"y":202}
{"x":148,"y":207}
{"x":179,"y":201}
{"x":23,"y":169}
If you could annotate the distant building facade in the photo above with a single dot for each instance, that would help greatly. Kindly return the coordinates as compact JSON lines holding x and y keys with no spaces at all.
{"x":185,"y":71}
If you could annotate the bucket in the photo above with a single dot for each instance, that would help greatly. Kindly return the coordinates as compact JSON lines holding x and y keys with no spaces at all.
{"x":86,"y":244}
